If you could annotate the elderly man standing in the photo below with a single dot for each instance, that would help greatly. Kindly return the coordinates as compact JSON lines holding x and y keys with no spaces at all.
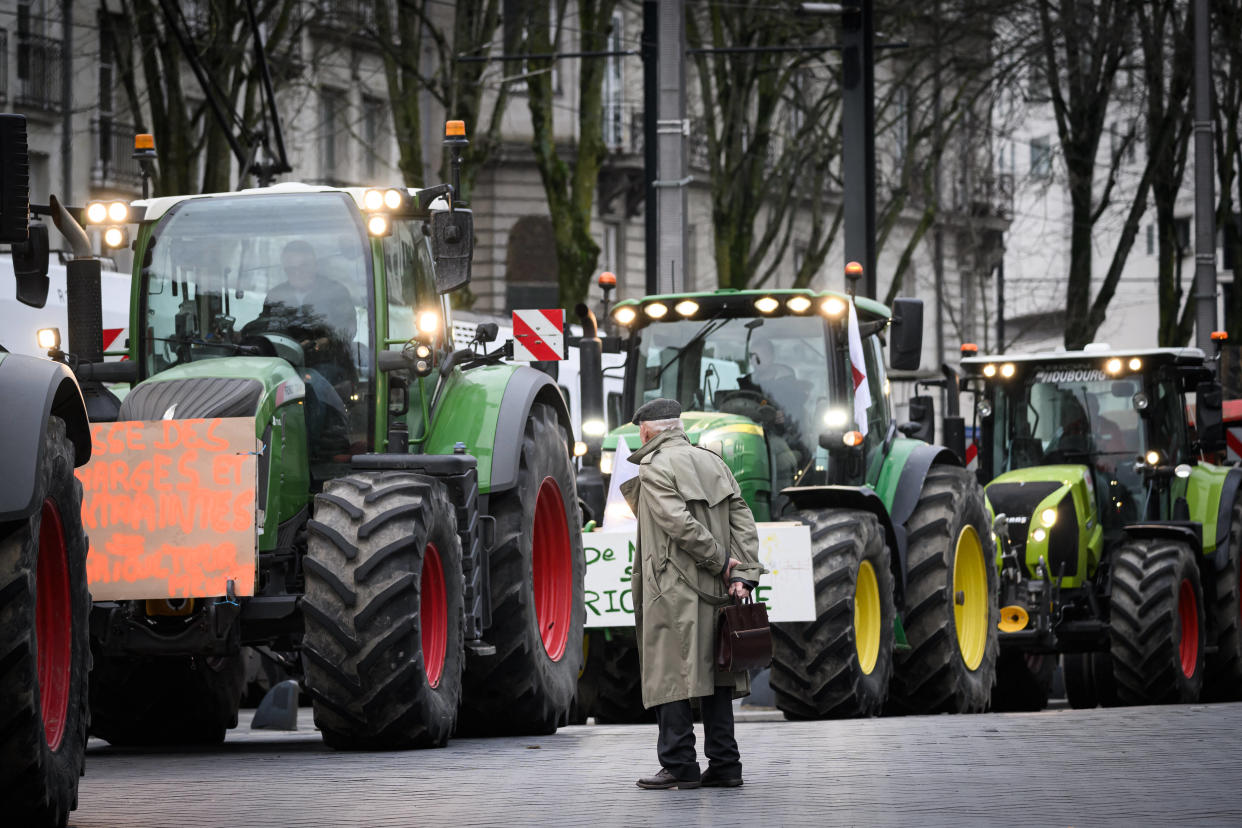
{"x":696,"y":548}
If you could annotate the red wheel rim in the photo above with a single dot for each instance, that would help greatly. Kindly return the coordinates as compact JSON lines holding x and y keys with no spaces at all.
{"x":1188,"y":611}
{"x":553,"y":569}
{"x":53,"y":625}
{"x":433,"y":615}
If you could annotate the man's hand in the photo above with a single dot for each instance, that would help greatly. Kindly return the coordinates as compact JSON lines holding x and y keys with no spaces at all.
{"x":739,"y":590}
{"x":729,"y":568}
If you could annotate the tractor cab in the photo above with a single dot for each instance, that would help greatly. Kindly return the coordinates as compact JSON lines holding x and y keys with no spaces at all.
{"x":764,"y":380}
{"x":1117,"y":421}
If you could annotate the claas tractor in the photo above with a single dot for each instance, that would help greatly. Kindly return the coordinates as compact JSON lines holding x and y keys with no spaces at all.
{"x":885,"y":536}
{"x":414,"y":530}
{"x":1119,"y":545}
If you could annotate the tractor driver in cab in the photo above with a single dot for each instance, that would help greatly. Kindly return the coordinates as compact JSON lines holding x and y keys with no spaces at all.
{"x":778,"y":399}
{"x":319,"y":313}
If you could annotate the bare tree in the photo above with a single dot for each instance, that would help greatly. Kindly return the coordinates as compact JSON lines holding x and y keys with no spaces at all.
{"x":1227,"y":109}
{"x":1079,"y":47}
{"x":152,"y":71}
{"x":569,"y":185}
{"x":403,"y":28}
{"x":1166,"y":36}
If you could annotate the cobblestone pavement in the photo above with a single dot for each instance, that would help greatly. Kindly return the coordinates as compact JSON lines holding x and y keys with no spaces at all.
{"x":1127,"y":766}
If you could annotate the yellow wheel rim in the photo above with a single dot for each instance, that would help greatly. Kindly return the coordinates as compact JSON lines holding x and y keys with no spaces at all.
{"x":867,"y":617}
{"x":970,"y":597}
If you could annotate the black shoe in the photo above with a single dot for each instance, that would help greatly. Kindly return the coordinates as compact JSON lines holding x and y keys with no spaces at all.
{"x":713,"y":780}
{"x":664,"y":781}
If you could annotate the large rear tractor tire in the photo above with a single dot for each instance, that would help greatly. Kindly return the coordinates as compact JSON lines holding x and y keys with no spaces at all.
{"x":536,"y":568}
{"x":1223,"y":681}
{"x":1089,"y":680}
{"x":383,"y":647}
{"x":839,"y":665}
{"x":1156,"y":628}
{"x":44,"y":646}
{"x":610,"y":688}
{"x":1023,"y":681}
{"x":165,"y":700}
{"x":950,"y":612}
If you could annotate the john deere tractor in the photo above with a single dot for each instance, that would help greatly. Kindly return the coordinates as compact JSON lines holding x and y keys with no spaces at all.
{"x":1119,"y":545}
{"x":419,"y":553}
{"x":903,"y":616}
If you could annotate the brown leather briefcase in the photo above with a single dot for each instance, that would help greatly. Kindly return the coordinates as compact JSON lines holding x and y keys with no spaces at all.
{"x":744,"y":640}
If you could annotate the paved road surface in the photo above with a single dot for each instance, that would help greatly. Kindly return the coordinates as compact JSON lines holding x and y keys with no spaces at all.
{"x":1129,"y":766}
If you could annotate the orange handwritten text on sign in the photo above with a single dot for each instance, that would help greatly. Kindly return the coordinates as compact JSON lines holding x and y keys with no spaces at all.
{"x":169,"y":507}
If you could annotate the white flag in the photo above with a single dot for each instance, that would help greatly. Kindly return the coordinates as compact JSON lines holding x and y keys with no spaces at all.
{"x":858,"y":365}
{"x":617,"y":512}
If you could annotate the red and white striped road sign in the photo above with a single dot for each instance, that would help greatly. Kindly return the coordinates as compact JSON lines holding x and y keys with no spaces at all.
{"x":538,"y":335}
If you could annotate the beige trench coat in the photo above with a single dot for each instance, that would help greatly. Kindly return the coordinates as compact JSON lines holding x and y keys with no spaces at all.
{"x":691,"y":520}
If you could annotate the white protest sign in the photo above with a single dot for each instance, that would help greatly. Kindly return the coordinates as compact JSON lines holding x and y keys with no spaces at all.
{"x":784,"y":550}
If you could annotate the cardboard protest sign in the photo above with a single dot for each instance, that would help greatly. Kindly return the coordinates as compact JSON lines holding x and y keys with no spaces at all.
{"x":169,"y":507}
{"x":784,"y":550}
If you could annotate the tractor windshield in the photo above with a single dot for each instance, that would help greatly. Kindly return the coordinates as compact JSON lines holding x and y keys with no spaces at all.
{"x":285,"y":272}
{"x":772,"y":370}
{"x":1080,"y":416}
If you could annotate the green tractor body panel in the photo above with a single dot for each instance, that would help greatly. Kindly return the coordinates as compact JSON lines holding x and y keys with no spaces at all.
{"x":1203,"y":490}
{"x":739,"y":440}
{"x":1073,"y":538}
{"x":468,"y":412}
{"x":889,"y":468}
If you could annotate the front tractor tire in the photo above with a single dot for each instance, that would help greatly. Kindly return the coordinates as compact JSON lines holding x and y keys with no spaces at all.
{"x":1223,"y":681}
{"x":951,"y":615}
{"x":610,"y":688}
{"x":44,"y":646}
{"x":1156,"y":627}
{"x":383,"y":646}
{"x":536,"y":569}
{"x":839,"y":665}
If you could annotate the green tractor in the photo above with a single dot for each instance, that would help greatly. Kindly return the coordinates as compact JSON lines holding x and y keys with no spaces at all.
{"x":419,"y":553}
{"x":1119,"y":545}
{"x":900,"y":612}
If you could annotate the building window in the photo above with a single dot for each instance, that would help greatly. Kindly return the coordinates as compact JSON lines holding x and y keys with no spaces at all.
{"x":614,"y":87}
{"x":38,"y":61}
{"x":610,"y":249}
{"x":332,"y":156}
{"x":374,"y":137}
{"x":1041,"y":158}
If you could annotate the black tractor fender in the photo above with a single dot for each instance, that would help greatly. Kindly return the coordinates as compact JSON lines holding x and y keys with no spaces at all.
{"x":525,"y":388}
{"x":864,"y":499}
{"x":1186,"y":531}
{"x":909,"y":489}
{"x":1228,"y":494}
{"x":35,"y":389}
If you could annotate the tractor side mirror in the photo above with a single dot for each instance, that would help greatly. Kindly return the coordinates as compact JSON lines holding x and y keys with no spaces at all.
{"x":486,"y":332}
{"x":452,"y":243}
{"x":922,"y":425}
{"x":1209,"y":416}
{"x":30,"y":266}
{"x":14,"y":180}
{"x":906,"y":335}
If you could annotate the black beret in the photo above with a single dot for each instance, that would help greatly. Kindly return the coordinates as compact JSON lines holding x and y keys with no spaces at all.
{"x":661,"y":409}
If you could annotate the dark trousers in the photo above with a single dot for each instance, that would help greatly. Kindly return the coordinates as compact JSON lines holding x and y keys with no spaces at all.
{"x":676,"y":744}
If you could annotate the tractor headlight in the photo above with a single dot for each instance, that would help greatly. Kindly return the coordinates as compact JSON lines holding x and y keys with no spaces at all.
{"x":594,"y":428}
{"x":118,"y":212}
{"x":580,"y":448}
{"x":96,"y":212}
{"x":798,"y":304}
{"x":656,"y":310}
{"x":49,"y":338}
{"x":1048,"y":517}
{"x":1113,"y":366}
{"x":1135,"y":363}
{"x":1152,"y":457}
{"x":605,"y":461}
{"x":624,"y":315}
{"x":836,"y":417}
{"x":1007,"y":370}
{"x":989,"y":370}
{"x":1039,"y":535}
{"x":832,"y":306}
{"x":428,"y":322}
{"x":114,"y":237}
{"x":377,"y":225}
{"x":766,"y":304}
{"x":393,"y":199}
{"x":686,"y":307}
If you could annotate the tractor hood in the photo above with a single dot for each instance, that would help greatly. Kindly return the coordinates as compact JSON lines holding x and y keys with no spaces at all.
{"x":225,"y":387}
{"x":739,"y":440}
{"x":1050,"y":513}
